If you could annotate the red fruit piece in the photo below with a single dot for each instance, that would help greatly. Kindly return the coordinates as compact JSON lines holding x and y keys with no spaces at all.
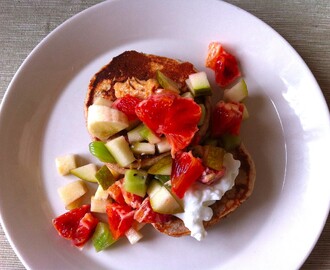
{"x":127,"y":105}
{"x":145,"y":214}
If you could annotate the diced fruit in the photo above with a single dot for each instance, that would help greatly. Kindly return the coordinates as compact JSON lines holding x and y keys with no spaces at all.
{"x":223,"y":63}
{"x":213,"y":157}
{"x":201,"y":121}
{"x":102,"y":101}
{"x":127,"y":105}
{"x":162,"y":167}
{"x":86,"y":172}
{"x":101,"y":193}
{"x":120,"y":150}
{"x":162,"y":200}
{"x":100,"y":151}
{"x":166,"y":82}
{"x":134,"y":134}
{"x":133,"y":236}
{"x":171,"y":115}
{"x":65,"y":163}
{"x":186,"y":169}
{"x":103,"y":121}
{"x":75,"y":204}
{"x":104,"y":177}
{"x":227,"y":118}
{"x":163,"y":178}
{"x":230,"y":142}
{"x":120,"y":218}
{"x":143,"y":148}
{"x":163,"y":146}
{"x":237,"y":93}
{"x":115,"y":192}
{"x":98,"y":205}
{"x":72,"y":191}
{"x":148,"y":135}
{"x":198,"y":84}
{"x":135,"y":182}
{"x":154,"y":187}
{"x":145,"y":214}
{"x":102,"y":237}
{"x":76,"y":225}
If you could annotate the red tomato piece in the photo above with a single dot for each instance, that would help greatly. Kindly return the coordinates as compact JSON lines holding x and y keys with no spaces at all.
{"x":227,"y":118}
{"x":127,"y":105}
{"x":115,"y":192}
{"x":85,"y":230}
{"x":223,"y":63}
{"x":77,"y":225}
{"x":120,"y":217}
{"x":171,"y":115}
{"x":145,"y":214}
{"x":186,"y":169}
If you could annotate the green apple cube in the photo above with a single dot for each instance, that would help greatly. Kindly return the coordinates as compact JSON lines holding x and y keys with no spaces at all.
{"x":104,"y":177}
{"x":198,"y":84}
{"x":166,"y":82}
{"x":120,"y":150}
{"x":65,"y":164}
{"x":149,"y":135}
{"x":86,"y":172}
{"x":143,"y":148}
{"x":237,"y":93}
{"x":103,"y":121}
{"x":134,"y":134}
{"x":101,"y":193}
{"x":162,"y":167}
{"x":102,"y":237}
{"x":135,"y":181}
{"x":99,"y":205}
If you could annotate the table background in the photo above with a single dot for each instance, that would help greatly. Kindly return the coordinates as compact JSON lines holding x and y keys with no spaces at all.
{"x":304,"y":24}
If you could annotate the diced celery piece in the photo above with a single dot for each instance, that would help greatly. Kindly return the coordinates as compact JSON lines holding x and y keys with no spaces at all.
{"x":102,"y":237}
{"x":100,"y":151}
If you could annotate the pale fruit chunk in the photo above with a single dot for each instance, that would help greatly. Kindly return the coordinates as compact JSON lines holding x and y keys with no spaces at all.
{"x":163,"y":146}
{"x":65,"y":164}
{"x":86,"y":172}
{"x":162,"y":200}
{"x":162,"y":167}
{"x":237,"y":93}
{"x":198,"y":84}
{"x":133,"y":236}
{"x":72,"y":191}
{"x":99,"y":205}
{"x":102,"y":101}
{"x":120,"y":150}
{"x":101,"y":193}
{"x":143,"y":148}
{"x":103,"y":121}
{"x":75,"y":204}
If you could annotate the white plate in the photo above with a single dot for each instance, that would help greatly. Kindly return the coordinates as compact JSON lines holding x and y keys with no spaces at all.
{"x":287,"y":134}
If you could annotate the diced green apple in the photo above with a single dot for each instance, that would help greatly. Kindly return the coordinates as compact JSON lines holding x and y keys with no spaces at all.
{"x":162,"y":167}
{"x":72,"y":191}
{"x":237,"y":93}
{"x":101,"y":193}
{"x":148,"y":135}
{"x":162,"y":200}
{"x":86,"y":172}
{"x":143,"y":148}
{"x":104,"y":177}
{"x":166,"y":82}
{"x":65,"y":164}
{"x":198,"y":84}
{"x":120,"y":150}
{"x":102,"y":237}
{"x":99,"y":205}
{"x":134,"y":134}
{"x":135,"y":181}
{"x":103,"y":121}
{"x":163,"y":146}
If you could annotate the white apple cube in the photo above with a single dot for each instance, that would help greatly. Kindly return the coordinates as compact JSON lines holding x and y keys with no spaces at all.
{"x":64,"y":164}
{"x":72,"y":191}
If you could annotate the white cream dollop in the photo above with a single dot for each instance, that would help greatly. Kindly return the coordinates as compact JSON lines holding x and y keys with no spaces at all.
{"x":199,"y":197}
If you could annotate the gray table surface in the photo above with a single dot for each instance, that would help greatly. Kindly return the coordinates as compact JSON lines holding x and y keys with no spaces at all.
{"x":305,"y":24}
